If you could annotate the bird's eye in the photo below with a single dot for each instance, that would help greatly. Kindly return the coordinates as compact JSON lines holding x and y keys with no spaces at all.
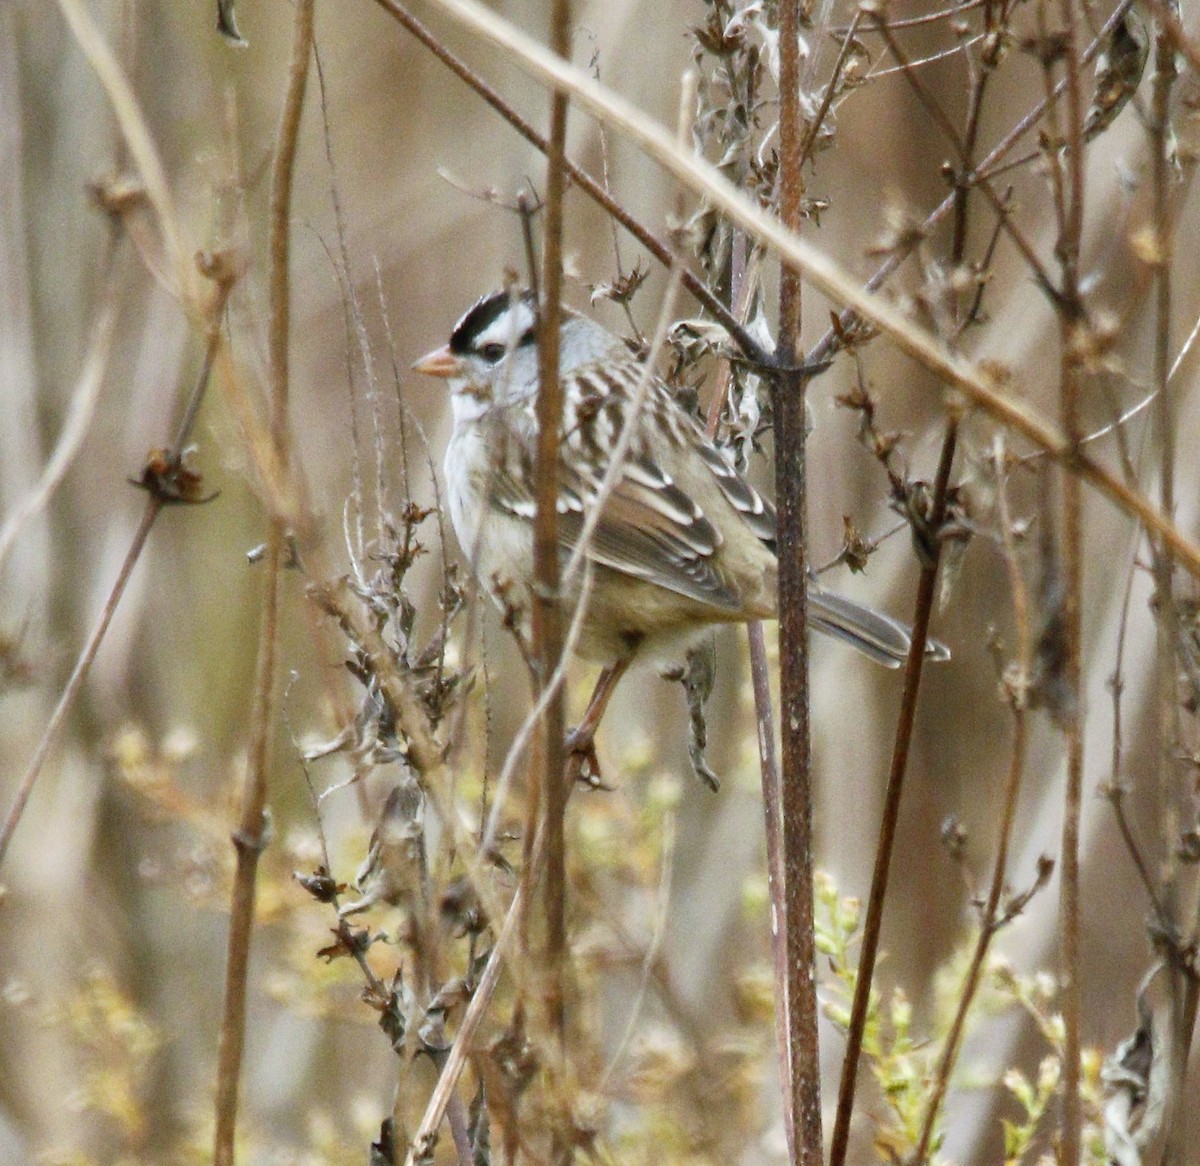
{"x":493,"y":352}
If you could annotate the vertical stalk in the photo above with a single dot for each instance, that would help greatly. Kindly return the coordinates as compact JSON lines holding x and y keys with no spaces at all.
{"x":873,"y":922}
{"x":1182,"y":992}
{"x":547,"y":612}
{"x":250,"y":836}
{"x":906,"y":721}
{"x":1072,"y":580}
{"x":796,"y":792}
{"x":1072,"y":319}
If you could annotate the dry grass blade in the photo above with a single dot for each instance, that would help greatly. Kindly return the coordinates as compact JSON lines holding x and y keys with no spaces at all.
{"x":76,"y":425}
{"x":141,"y":145}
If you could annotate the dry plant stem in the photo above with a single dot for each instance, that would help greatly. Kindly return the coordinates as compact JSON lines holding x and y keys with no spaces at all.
{"x":140,"y":142}
{"x":464,"y":1038}
{"x":425,"y":753}
{"x":83,"y":664}
{"x":250,"y":836}
{"x":814,"y":126}
{"x":926,"y":593}
{"x":830,"y":341}
{"x":1071,"y":318}
{"x":979,"y":180}
{"x":906,"y":721}
{"x":987,"y":923}
{"x":745,"y":276}
{"x":547,"y":609}
{"x":1165,"y":12}
{"x":580,"y":177}
{"x":1170,"y":744}
{"x":768,"y":763}
{"x":78,"y":676}
{"x":1073,"y":798}
{"x":981,"y":387}
{"x":798,"y":994}
{"x":82,"y":402}
{"x":136,"y":135}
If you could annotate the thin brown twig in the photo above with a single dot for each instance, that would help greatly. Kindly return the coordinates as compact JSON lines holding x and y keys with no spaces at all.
{"x":547,"y":607}
{"x":935,"y":110}
{"x":1115,"y":791}
{"x":136,"y":136}
{"x":814,"y":127}
{"x":249,"y":838}
{"x":1070,"y":321}
{"x":1073,"y":800}
{"x":953,"y":13}
{"x":1018,"y":687}
{"x":906,"y":720}
{"x":154,"y":505}
{"x":1116,"y":798}
{"x":82,"y":402}
{"x":802,"y":1079}
{"x":78,"y":674}
{"x":991,"y":167}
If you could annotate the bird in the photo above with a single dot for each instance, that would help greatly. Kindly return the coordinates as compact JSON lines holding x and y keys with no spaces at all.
{"x":682,"y":542}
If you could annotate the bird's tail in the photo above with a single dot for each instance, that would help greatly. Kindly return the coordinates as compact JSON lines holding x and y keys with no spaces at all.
{"x":884,"y":639}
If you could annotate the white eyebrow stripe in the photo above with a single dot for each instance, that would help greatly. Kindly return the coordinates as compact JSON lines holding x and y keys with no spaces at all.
{"x":507,"y":328}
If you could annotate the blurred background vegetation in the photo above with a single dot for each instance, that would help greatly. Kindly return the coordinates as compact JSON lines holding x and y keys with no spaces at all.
{"x":116,"y":886}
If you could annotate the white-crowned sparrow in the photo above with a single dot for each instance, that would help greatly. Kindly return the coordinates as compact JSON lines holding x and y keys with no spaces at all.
{"x":683,"y":541}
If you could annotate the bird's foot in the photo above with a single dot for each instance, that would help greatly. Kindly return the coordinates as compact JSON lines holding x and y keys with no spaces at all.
{"x":582,"y":763}
{"x":697,"y":677}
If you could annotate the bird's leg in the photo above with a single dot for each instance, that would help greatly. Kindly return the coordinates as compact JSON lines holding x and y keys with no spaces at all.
{"x":697,"y":677}
{"x":581,"y":740}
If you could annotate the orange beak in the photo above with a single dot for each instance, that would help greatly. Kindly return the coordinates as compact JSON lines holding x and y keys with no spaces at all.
{"x":441,"y":362}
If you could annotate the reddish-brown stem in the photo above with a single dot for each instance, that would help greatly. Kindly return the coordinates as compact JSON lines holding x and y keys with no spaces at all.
{"x":547,"y":610}
{"x":926,"y":592}
{"x":250,"y":836}
{"x":1073,"y":797}
{"x":1071,"y":319}
{"x":907,"y":719}
{"x":803,"y":1068}
{"x":987,"y":922}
